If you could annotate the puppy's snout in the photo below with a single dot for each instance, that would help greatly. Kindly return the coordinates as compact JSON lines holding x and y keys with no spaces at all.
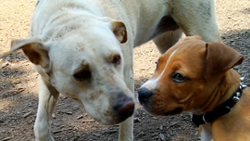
{"x":144,"y":95}
{"x":124,"y":107}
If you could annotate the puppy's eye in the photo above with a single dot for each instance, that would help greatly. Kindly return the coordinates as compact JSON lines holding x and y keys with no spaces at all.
{"x":82,"y":75}
{"x":178,"y":78}
{"x":116,"y":59}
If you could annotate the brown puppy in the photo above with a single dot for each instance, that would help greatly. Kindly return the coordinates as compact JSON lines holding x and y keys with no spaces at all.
{"x":197,"y":77}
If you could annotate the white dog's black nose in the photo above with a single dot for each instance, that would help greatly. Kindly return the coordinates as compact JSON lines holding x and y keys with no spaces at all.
{"x":124,"y":106}
{"x":144,"y":95}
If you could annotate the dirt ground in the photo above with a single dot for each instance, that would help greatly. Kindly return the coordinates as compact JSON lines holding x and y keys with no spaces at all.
{"x":18,"y":83}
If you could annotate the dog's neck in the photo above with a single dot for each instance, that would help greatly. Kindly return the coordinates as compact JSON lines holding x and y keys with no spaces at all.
{"x":228,"y":87}
{"x":225,"y":98}
{"x":223,"y":90}
{"x":235,"y":123}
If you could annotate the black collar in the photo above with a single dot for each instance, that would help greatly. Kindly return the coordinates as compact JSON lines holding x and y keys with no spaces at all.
{"x":220,"y":110}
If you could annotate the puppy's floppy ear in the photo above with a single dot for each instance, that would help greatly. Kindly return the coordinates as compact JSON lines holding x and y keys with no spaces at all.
{"x":33,"y":49}
{"x":119,"y":30}
{"x":220,"y":58}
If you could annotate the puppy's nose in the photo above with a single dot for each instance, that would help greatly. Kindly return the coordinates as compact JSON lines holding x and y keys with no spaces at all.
{"x":124,"y":107}
{"x":144,"y":95}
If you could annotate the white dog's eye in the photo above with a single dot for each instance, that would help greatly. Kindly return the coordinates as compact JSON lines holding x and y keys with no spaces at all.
{"x":178,"y":78}
{"x":83,"y":75}
{"x":116,"y":59}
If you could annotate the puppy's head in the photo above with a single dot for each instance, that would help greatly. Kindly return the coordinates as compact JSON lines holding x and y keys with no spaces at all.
{"x":86,"y":62}
{"x":186,"y":76}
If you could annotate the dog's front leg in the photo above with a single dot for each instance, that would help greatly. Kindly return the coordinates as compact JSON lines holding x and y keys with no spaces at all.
{"x":126,"y":127}
{"x":206,"y":132}
{"x":126,"y":130}
{"x":196,"y":17}
{"x":47,"y":100}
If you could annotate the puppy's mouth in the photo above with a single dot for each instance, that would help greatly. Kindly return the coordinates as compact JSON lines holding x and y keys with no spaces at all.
{"x":174,"y":112}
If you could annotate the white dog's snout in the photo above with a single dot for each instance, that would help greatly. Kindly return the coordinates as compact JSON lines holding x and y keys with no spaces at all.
{"x":123,"y":106}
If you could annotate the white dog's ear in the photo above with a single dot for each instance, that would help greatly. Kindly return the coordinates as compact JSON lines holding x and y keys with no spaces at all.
{"x":119,"y":30}
{"x":220,"y":57}
{"x":33,"y":49}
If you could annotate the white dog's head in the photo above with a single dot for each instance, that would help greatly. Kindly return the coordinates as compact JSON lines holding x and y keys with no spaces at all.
{"x":87,"y":64}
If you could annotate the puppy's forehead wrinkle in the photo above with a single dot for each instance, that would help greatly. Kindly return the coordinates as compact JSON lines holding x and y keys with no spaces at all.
{"x":194,"y":63}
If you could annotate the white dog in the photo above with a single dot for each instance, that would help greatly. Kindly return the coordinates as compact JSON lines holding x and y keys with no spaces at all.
{"x":83,"y":49}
